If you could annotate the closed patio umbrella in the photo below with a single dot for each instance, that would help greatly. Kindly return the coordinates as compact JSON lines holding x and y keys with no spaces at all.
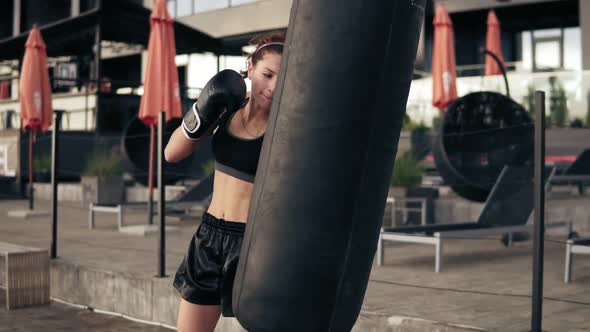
{"x":161,"y":89}
{"x":34,"y":95}
{"x":444,"y":73}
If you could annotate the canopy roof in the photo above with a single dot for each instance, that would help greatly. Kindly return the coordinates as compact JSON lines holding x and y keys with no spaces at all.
{"x":120,"y":21}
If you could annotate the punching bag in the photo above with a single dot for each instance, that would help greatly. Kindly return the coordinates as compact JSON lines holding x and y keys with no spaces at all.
{"x":324,"y":169}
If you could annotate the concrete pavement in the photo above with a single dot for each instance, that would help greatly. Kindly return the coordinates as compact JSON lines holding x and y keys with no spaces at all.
{"x":483,"y":284}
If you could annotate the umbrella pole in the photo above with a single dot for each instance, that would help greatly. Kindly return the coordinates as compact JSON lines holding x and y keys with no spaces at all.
{"x":31,"y":203}
{"x":151,"y":178}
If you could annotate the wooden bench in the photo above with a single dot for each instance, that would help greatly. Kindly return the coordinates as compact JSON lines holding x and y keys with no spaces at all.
{"x":24,"y":274}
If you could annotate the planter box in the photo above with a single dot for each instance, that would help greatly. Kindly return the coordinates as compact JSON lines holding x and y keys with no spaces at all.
{"x":104,"y":190}
{"x":421,"y":143}
{"x":42,"y":176}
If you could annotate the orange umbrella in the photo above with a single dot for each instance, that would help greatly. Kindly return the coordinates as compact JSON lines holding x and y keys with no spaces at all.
{"x":444,"y":73}
{"x":34,"y":94}
{"x":34,"y":88}
{"x":4,"y":89}
{"x":493,"y":44}
{"x":161,"y":91}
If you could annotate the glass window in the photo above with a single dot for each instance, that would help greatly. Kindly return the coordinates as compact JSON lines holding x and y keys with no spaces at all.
{"x":172,"y":8}
{"x":527,"y":51}
{"x":572,"y":52}
{"x":201,"y":67}
{"x":184,"y":7}
{"x":206,"y":5}
{"x":547,"y":54}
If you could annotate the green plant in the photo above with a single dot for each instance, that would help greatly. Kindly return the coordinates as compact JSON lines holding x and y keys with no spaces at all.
{"x":104,"y":164}
{"x":42,"y":163}
{"x":562,"y":111}
{"x":420,"y":127}
{"x":557,"y":103}
{"x":208,"y":167}
{"x":407,"y":121}
{"x":409,"y":124}
{"x":529,"y":100}
{"x":407,"y":171}
{"x":577,"y":123}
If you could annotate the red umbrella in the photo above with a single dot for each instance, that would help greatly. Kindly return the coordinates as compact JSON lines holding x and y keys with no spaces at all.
{"x":161,"y":90}
{"x":34,"y":93}
{"x":4,"y":89}
{"x":493,"y":44}
{"x":444,"y":73}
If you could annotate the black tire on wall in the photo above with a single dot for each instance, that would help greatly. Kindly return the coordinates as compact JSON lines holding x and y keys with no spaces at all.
{"x":135,"y":145}
{"x":480,"y":133}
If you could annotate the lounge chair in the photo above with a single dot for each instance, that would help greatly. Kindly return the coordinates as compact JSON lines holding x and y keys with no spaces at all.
{"x":506,"y":211}
{"x":574,"y":246}
{"x":578,"y":173}
{"x":197,"y":196}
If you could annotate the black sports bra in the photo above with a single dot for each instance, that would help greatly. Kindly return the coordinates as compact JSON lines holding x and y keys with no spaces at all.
{"x":235,"y":156}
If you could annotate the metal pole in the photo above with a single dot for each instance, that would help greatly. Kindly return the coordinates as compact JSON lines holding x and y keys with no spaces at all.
{"x":20,"y":178}
{"x":539,"y":231}
{"x":97,"y":64}
{"x":54,"y":180}
{"x":31,"y":193}
{"x":151,"y":178}
{"x":162,"y":199}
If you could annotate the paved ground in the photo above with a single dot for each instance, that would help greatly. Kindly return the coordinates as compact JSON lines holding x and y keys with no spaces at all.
{"x":59,"y":317}
{"x":482,"y":284}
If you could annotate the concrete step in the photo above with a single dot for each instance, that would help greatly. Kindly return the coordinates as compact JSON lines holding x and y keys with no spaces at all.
{"x":155,"y":300}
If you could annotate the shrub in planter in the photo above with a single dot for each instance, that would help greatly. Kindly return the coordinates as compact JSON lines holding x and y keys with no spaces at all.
{"x":421,"y":141}
{"x":557,"y":103}
{"x":208,"y":167}
{"x":42,"y":168}
{"x":407,"y":172}
{"x":577,"y":123}
{"x":102,"y":182}
{"x":420,"y":137}
{"x":405,"y":183}
{"x":529,"y":100}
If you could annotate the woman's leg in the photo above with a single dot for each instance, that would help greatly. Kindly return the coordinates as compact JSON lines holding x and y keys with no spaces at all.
{"x":196,"y":317}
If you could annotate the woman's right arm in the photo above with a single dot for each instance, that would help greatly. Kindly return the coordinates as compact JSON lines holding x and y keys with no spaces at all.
{"x":179,"y":147}
{"x":224,"y":91}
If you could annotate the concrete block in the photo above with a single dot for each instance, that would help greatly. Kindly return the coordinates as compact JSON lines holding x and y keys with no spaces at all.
{"x":443,"y":211}
{"x":165,"y":301}
{"x":65,"y":284}
{"x":70,"y":192}
{"x":28,"y":214}
{"x":375,"y":322}
{"x":118,"y":293}
{"x":145,"y":230}
{"x":229,"y":324}
{"x":140,"y":194}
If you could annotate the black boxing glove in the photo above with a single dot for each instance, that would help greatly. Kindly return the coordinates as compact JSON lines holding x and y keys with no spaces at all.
{"x":226,"y":91}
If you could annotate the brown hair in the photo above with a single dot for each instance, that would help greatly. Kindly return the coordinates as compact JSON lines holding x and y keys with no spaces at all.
{"x":260,"y":40}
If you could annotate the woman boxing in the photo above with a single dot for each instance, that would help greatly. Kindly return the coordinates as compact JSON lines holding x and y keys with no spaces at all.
{"x":205,"y":276}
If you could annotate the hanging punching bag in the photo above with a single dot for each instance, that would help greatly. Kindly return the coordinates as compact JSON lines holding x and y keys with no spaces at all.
{"x":324,"y":169}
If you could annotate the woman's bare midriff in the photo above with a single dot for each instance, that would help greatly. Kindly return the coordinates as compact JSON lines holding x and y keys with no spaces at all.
{"x":231,"y":198}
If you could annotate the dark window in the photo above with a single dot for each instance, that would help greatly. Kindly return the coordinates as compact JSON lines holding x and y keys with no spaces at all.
{"x":6,"y":12}
{"x":86,"y":5}
{"x":43,"y":12}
